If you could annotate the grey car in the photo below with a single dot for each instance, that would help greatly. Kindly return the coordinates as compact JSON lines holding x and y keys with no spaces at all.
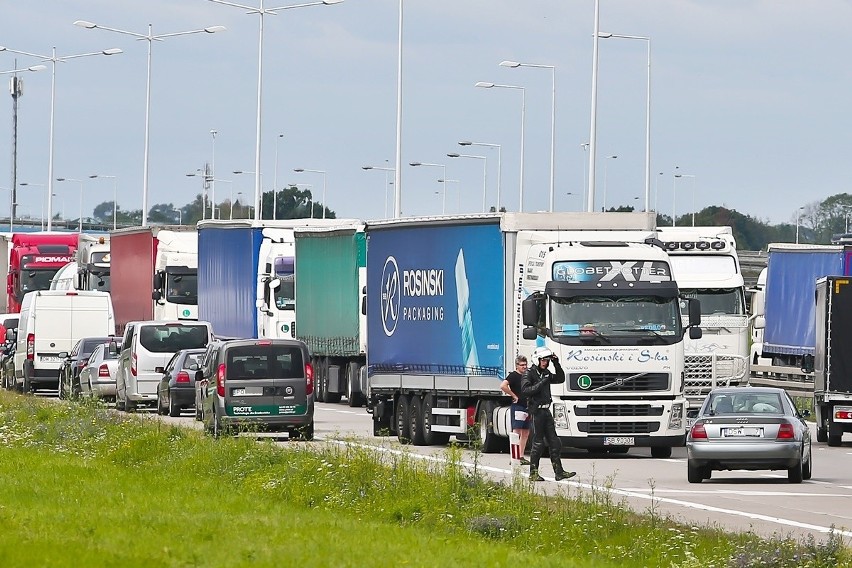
{"x":97,"y":378}
{"x":751,"y":428}
{"x":257,"y":384}
{"x":177,"y":387}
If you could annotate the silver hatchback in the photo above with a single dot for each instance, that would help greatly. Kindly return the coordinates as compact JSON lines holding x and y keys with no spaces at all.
{"x":751,"y":428}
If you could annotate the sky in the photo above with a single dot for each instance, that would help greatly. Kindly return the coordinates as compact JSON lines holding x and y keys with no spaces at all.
{"x":749,"y":103}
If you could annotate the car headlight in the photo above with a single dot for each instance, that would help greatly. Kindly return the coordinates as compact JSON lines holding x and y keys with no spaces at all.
{"x":676,"y":419}
{"x":560,"y":415}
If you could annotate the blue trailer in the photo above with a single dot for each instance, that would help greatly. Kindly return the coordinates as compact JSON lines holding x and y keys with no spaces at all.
{"x":791,"y":278}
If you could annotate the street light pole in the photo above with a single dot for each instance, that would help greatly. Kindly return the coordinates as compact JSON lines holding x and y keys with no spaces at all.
{"x":485,"y":85}
{"x":213,"y":134}
{"x":593,"y":139}
{"x":257,"y":215}
{"x":386,"y":170}
{"x":149,"y":37}
{"x":80,"y":226}
{"x":647,"y":113}
{"x":499,"y":163}
{"x":798,"y":216}
{"x":458,"y":192}
{"x":114,"y":197}
{"x":606,"y":164}
{"x":324,"y":179}
{"x":275,"y":180}
{"x":693,"y":193}
{"x":443,"y":177}
{"x":53,"y":60}
{"x":552,"y":68}
{"x":484,"y":174}
{"x":44,"y":190}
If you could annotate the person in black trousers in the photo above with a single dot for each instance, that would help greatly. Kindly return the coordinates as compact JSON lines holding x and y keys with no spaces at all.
{"x":535,"y":386}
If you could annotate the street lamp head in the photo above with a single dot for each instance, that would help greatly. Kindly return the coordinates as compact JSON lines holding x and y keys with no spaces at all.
{"x":366,"y":167}
{"x":465,"y":143}
{"x":85,"y":24}
{"x":512,"y":64}
{"x":37,"y":68}
{"x":331,"y":2}
{"x":93,"y":176}
{"x":299,"y":170}
{"x":414,"y":163}
{"x":484,"y":85}
{"x":604,"y":35}
{"x":112,"y":51}
{"x":613,"y":157}
{"x":214,"y":29}
{"x":453,"y":155}
{"x":236,"y":172}
{"x":60,"y":179}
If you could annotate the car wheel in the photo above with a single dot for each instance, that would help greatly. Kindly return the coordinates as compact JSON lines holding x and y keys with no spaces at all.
{"x":796,"y":473}
{"x":694,"y":473}
{"x":661,"y":452}
{"x":198,"y":415}
{"x":217,"y":425}
{"x":160,"y":411}
{"x":304,"y":433}
{"x":60,"y":389}
{"x":174,"y":409}
{"x":807,"y":469}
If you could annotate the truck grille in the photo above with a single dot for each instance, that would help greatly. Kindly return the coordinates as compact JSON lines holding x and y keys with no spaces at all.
{"x":619,"y":410}
{"x":611,"y":428}
{"x":703,"y":373}
{"x":618,"y":382}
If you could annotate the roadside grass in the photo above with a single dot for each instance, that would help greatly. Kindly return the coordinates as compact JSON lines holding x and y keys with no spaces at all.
{"x":86,"y":486}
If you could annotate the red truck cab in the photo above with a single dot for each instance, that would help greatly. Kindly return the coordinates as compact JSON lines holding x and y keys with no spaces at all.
{"x":33,"y":260}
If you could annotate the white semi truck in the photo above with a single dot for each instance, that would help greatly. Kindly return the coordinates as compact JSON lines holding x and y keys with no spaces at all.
{"x":706,"y":267}
{"x":176,"y":275}
{"x":451,"y":301}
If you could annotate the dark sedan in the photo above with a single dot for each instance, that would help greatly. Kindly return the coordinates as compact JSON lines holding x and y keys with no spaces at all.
{"x":73,"y":363}
{"x":751,"y":428}
{"x":176,"y":390}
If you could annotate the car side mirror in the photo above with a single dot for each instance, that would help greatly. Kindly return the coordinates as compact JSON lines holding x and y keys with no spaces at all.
{"x":63,"y":355}
{"x":113,"y":348}
{"x":193,"y":367}
{"x":159,"y":370}
{"x":199,"y":375}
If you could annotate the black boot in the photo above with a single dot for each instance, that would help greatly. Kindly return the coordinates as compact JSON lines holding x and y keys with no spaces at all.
{"x":534,"y":476}
{"x":561,"y":474}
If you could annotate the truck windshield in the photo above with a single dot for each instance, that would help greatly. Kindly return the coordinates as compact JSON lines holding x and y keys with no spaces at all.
{"x":99,"y":282}
{"x":285,"y":295}
{"x":182,"y":288}
{"x":35,"y":280}
{"x":716,"y":301}
{"x":596,"y":316}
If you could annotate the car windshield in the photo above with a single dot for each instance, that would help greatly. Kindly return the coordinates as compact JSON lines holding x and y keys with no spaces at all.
{"x":614,"y":316}
{"x":265,"y":361}
{"x":169,"y":338}
{"x":745,"y":403}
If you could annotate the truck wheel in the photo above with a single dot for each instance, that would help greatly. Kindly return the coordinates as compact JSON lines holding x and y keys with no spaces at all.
{"x":415,"y":420}
{"x":835,"y":440}
{"x":353,"y":385}
{"x":403,"y":409}
{"x":661,"y":452}
{"x":822,"y":434}
{"x":491,"y":443}
{"x":431,"y":438}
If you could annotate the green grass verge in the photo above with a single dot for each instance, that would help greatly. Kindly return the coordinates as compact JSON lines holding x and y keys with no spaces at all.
{"x":84,"y":486}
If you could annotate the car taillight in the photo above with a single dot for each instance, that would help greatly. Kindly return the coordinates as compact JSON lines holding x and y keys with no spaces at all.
{"x":183,"y":377}
{"x":133,"y":365}
{"x":81,"y":363}
{"x":220,"y":380}
{"x":309,"y":379}
{"x":30,"y":346}
{"x":698,"y":432}
{"x":785,"y":431}
{"x":103,"y":371}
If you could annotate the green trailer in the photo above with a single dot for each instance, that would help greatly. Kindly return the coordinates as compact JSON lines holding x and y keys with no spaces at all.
{"x":330,"y":308}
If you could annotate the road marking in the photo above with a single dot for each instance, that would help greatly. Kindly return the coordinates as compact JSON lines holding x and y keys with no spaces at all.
{"x":338,"y":411}
{"x":740,"y":492}
{"x":620,"y":492}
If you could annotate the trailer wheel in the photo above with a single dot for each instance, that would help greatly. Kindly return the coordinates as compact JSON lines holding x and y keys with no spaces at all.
{"x":491,"y":442}
{"x":430,"y":438}
{"x":415,"y":421}
{"x":353,"y":384}
{"x":403,"y":409}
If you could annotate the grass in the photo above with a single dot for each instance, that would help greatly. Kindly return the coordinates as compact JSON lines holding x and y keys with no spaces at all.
{"x":84,"y":486}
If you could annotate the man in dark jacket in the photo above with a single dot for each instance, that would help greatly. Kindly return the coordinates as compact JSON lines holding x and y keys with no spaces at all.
{"x":535,"y":386}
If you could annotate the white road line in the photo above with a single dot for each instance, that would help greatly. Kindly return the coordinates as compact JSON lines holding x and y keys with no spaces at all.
{"x":743,"y":493}
{"x":624,"y":493}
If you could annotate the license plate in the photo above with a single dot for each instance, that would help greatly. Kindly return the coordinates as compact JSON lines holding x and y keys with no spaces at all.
{"x":742,"y":432}
{"x":689,"y":423}
{"x":247,"y":391}
{"x":619,"y":441}
{"x":48,"y":359}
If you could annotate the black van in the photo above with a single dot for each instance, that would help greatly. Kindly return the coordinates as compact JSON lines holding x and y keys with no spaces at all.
{"x":257,"y":384}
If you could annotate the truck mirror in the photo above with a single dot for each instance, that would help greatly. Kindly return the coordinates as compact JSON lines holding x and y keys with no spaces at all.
{"x":695,"y":333}
{"x":364,"y":305}
{"x":10,"y":335}
{"x":694,"y":312}
{"x":259,"y":304}
{"x":529,"y":333}
{"x":759,"y":322}
{"x":529,"y":311}
{"x":158,"y":280}
{"x":275,"y":283}
{"x":156,"y":295}
{"x":807,"y":363}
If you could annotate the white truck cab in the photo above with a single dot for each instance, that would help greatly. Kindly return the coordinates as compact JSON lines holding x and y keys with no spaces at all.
{"x":176,"y":276}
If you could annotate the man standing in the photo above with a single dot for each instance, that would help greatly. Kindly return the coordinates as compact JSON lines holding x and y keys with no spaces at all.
{"x":520,"y":415}
{"x":536,"y":387}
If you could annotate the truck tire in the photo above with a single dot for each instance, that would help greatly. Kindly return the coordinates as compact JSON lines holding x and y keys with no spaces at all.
{"x":415,"y":421}
{"x":661,"y":452}
{"x":317,"y":380}
{"x":430,"y":438}
{"x":822,"y":434}
{"x":353,"y":384}
{"x":403,"y":409}
{"x":835,"y":440}
{"x":330,"y":397}
{"x":491,"y":442}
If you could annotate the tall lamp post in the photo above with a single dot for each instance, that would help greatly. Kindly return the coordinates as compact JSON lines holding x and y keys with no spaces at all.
{"x":606,"y":169}
{"x":458,"y":192}
{"x":798,"y":218}
{"x":693,"y":193}
{"x":485,"y":85}
{"x":213,"y":208}
{"x":275,"y":180}
{"x":80,"y":226}
{"x":514,"y":64}
{"x":150,"y":38}
{"x":309,"y":187}
{"x":44,"y":190}
{"x":210,"y":178}
{"x":257,"y":215}
{"x":261,"y":11}
{"x":387,"y":185}
{"x":114,"y":196}
{"x":443,"y":176}
{"x":647,"y":113}
{"x":484,"y":174}
{"x":499,"y":162}
{"x":324,"y":180}
{"x":54,"y":59}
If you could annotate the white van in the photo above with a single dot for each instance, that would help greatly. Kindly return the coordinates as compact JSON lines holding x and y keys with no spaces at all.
{"x":144,"y":352}
{"x":52,"y":321}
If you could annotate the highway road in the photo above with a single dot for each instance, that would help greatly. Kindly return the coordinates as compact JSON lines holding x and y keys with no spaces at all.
{"x":762,"y":502}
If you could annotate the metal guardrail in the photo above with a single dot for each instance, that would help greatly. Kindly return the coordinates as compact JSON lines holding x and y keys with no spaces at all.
{"x":794,"y":381}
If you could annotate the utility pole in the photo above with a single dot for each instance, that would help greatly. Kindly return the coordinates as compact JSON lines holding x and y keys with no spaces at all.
{"x":16,"y":87}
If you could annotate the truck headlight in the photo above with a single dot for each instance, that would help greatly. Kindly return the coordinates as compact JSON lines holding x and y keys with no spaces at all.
{"x":676,"y":419}
{"x":560,"y":415}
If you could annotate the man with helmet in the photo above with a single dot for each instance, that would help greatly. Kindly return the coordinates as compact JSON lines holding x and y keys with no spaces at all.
{"x":535,"y":386}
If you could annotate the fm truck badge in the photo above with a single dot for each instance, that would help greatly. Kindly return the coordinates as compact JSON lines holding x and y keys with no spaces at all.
{"x":185,"y":313}
{"x":390,"y":296}
{"x":584,"y":382}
